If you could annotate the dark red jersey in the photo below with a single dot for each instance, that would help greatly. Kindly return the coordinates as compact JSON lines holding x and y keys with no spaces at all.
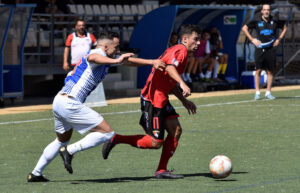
{"x":159,"y":83}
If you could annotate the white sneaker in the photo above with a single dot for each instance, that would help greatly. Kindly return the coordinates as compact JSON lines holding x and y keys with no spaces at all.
{"x":270,"y":97}
{"x":189,"y":79}
{"x":256,"y":96}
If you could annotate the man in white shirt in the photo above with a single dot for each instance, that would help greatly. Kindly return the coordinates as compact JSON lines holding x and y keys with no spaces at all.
{"x":79,"y":42}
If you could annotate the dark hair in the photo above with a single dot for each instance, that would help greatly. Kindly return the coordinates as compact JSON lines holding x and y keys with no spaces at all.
{"x":188,"y":29}
{"x":174,"y":34}
{"x":205,"y":31}
{"x":115,"y":34}
{"x":108,"y":35}
{"x":80,"y":19}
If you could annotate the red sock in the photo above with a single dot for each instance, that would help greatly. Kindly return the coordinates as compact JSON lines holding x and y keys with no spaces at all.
{"x":139,"y":141}
{"x":168,"y":150}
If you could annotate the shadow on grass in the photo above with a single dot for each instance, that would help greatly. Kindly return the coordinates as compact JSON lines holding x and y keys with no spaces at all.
{"x":129,"y":179}
{"x":282,"y":98}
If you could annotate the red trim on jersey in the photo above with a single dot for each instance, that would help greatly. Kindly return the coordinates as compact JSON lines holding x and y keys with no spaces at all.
{"x":93,"y":38}
{"x":159,"y":83}
{"x":69,"y":40}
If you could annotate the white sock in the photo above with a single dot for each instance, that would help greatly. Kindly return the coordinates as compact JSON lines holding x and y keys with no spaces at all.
{"x":208,"y":74}
{"x":188,"y":75}
{"x":91,"y":140}
{"x":201,"y":75}
{"x":257,"y":92}
{"x":268,"y":92}
{"x":49,"y":153}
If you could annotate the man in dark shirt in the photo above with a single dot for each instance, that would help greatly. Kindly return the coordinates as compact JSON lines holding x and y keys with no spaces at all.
{"x":266,"y":45}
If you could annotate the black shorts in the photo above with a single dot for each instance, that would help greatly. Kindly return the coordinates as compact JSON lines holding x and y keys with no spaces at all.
{"x":153,"y":119}
{"x":265,"y":58}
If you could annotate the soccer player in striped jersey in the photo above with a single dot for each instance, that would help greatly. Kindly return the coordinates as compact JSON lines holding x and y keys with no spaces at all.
{"x":158,"y":114}
{"x":70,"y":112}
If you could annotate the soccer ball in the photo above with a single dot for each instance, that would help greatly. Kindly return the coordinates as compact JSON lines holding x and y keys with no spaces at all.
{"x":220,"y":166}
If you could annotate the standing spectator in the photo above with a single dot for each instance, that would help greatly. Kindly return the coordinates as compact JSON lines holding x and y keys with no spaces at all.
{"x":80,"y":43}
{"x":266,"y":45}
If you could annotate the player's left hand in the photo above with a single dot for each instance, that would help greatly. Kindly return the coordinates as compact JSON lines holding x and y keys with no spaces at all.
{"x":158,"y":64}
{"x":276,"y":43}
{"x":124,"y":57}
{"x":190,"y":106}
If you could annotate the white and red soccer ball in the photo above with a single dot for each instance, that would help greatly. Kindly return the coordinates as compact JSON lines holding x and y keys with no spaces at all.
{"x":220,"y":166}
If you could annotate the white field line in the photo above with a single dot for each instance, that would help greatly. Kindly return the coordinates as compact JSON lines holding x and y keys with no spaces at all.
{"x":137,"y":111}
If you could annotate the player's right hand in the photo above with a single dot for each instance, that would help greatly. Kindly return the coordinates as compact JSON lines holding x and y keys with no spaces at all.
{"x":66,"y":66}
{"x":190,"y":106}
{"x":158,"y":64}
{"x":186,"y":91}
{"x":256,"y":42}
{"x":124,"y":57}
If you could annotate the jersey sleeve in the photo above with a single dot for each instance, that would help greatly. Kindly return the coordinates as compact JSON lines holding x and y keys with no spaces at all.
{"x":174,"y":57}
{"x":94,"y":40}
{"x":251,"y":24}
{"x":69,"y":40}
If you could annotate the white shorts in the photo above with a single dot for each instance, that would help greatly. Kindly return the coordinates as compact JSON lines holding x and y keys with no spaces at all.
{"x":70,"y":113}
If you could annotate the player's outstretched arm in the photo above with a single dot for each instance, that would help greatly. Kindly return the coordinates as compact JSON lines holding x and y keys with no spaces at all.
{"x":189,"y":105}
{"x":172,"y":72}
{"x":103,"y":60}
{"x":157,"y":64}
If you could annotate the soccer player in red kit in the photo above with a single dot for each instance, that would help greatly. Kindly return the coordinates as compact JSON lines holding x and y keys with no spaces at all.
{"x":158,"y":114}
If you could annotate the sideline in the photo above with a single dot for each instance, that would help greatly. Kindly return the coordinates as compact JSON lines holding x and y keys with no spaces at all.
{"x":37,"y":108}
{"x":133,"y":111}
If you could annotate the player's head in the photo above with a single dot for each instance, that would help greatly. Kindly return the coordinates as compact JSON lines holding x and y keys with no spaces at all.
{"x":109,"y":42}
{"x":266,"y":10}
{"x":80,"y":26}
{"x":189,"y":36}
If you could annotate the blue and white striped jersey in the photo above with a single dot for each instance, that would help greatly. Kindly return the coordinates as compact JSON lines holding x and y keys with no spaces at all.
{"x":85,"y":77}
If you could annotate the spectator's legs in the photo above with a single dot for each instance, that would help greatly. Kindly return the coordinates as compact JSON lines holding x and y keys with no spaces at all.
{"x":223,"y":66}
{"x":211,"y":62}
{"x":191,"y":64}
{"x":199,"y":63}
